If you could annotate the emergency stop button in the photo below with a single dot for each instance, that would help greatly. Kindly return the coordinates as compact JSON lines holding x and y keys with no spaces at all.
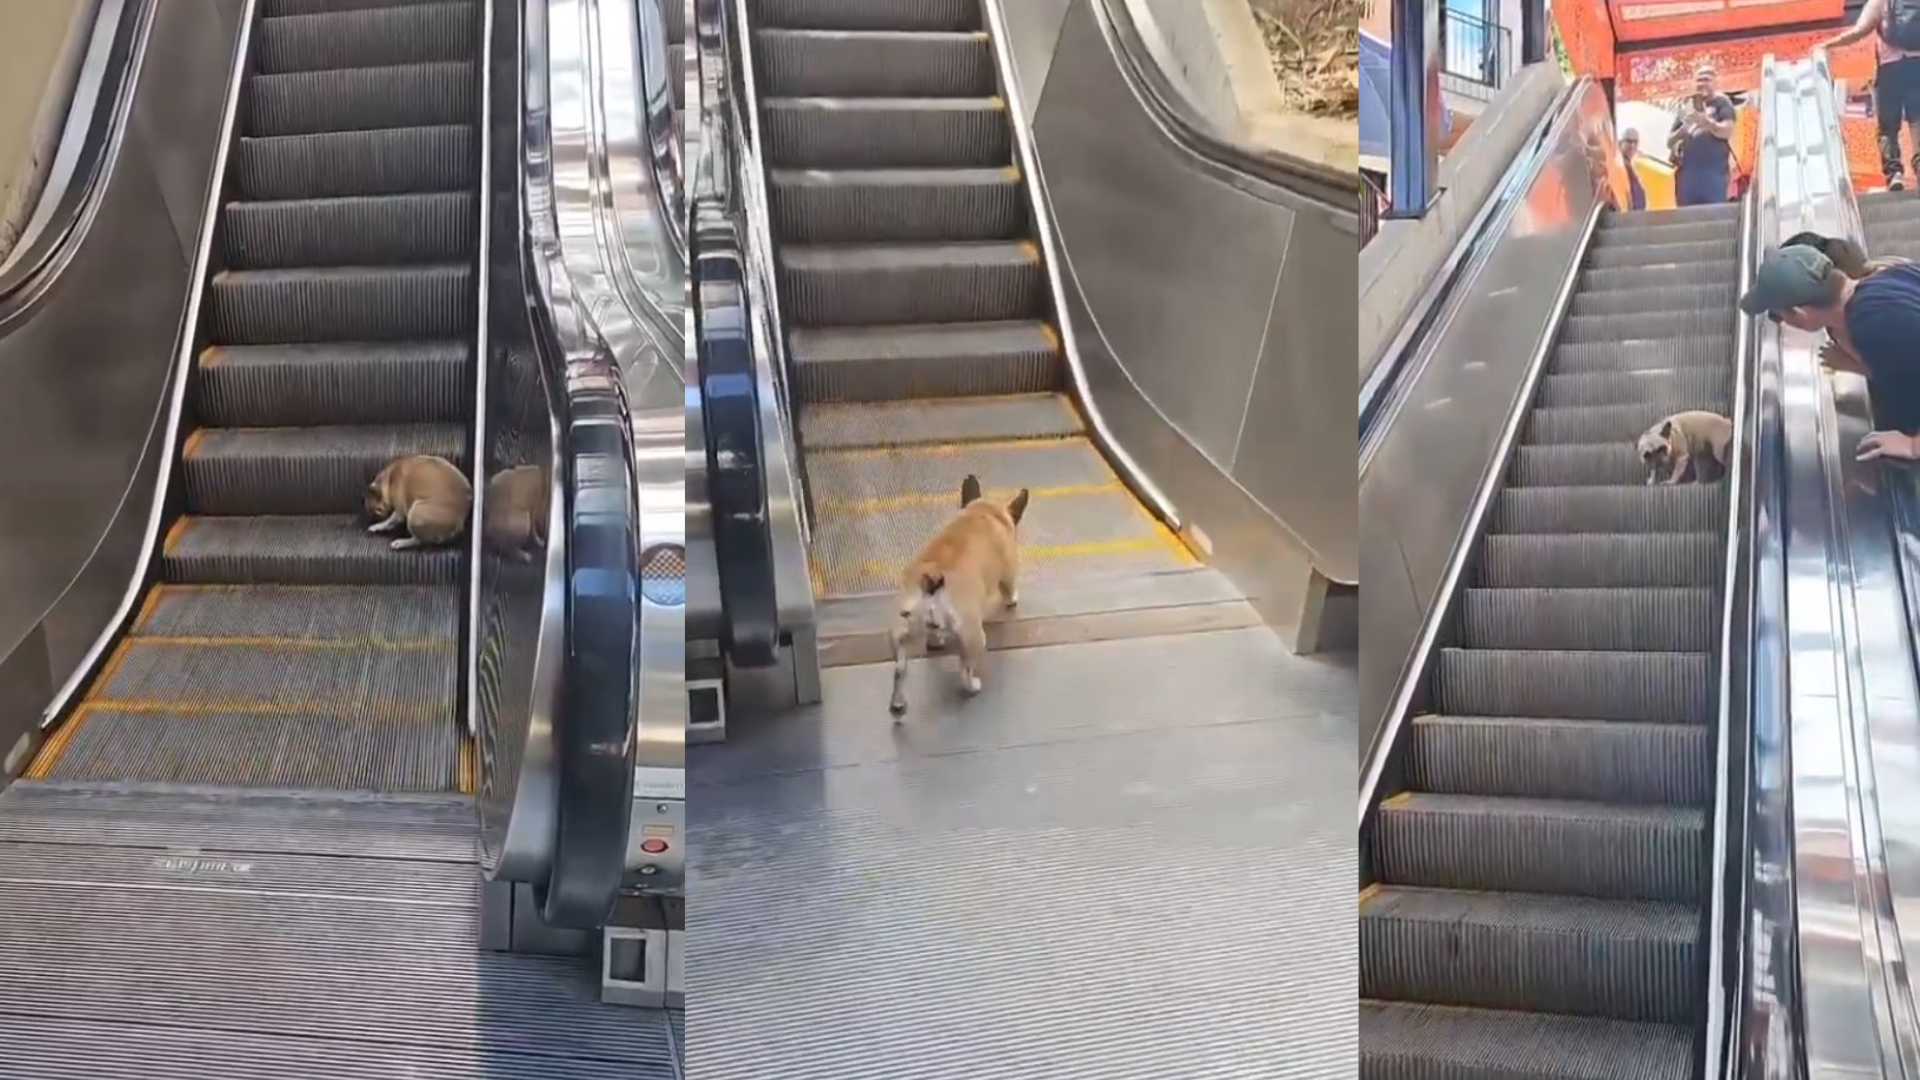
{"x":653,"y":847}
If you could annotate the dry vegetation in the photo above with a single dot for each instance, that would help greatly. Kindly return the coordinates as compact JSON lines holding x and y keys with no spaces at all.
{"x":1315,"y":46}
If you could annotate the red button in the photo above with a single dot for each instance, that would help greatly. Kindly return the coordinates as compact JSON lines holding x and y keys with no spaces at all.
{"x":653,"y":847}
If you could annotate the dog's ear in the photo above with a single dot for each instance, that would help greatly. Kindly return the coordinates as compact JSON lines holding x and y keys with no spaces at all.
{"x":969,"y":491}
{"x":1017,"y":509}
{"x":1666,"y":429}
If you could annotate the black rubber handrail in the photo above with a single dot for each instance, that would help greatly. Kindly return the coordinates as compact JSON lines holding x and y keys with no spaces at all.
{"x":51,"y":247}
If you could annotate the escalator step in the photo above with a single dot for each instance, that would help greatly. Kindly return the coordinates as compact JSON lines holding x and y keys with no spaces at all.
{"x":1619,"y":761}
{"x":1610,"y":423}
{"x":1442,"y":1042}
{"x":371,"y":37}
{"x":1618,"y":959}
{"x":1603,"y":257}
{"x":676,"y":73}
{"x":319,"y":470}
{"x":1614,"y":329}
{"x":360,"y":99}
{"x":881,"y":284}
{"x":676,"y":16}
{"x":1568,"y":464}
{"x":939,"y":421}
{"x":1660,"y":385}
{"x":894,"y":363}
{"x":359,"y":303}
{"x":346,"y":383}
{"x":1727,"y":213}
{"x":1631,"y":305}
{"x":1656,"y":233}
{"x":869,"y":63}
{"x":1614,"y":278}
{"x":887,"y":133}
{"x":866,"y":483}
{"x":413,"y":679}
{"x":386,"y":615}
{"x":1673,"y":353}
{"x":1603,"y":560}
{"x":927,"y":205}
{"x":1658,"y":509}
{"x":1625,"y":620}
{"x":1611,"y":851}
{"x":931,"y":15}
{"x":330,"y":550}
{"x":363,"y":230}
{"x":277,"y":8}
{"x":388,"y":162}
{"x":1664,"y":687}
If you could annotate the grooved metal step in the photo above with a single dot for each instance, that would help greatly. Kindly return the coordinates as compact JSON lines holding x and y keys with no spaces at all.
{"x":887,"y":133}
{"x":936,"y":422}
{"x":1654,"y":234}
{"x":1572,"y":955}
{"x":891,"y":284}
{"x":1649,"y":619}
{"x":1636,"y":255}
{"x":304,"y":550}
{"x":387,"y":162}
{"x":1657,"y":508}
{"x":1716,"y":298}
{"x":1603,"y":560}
{"x":359,"y":303}
{"x":318,"y":470}
{"x":1602,"y":423}
{"x":889,"y":363}
{"x":1641,"y":354}
{"x":1613,"y":329}
{"x":928,"y":205}
{"x":1615,"y":278}
{"x":369,"y":37}
{"x":1661,"y":386}
{"x":360,"y":99}
{"x":1578,"y":464}
{"x":435,"y":226}
{"x":926,"y":15}
{"x":1670,"y":687}
{"x":1619,"y":761}
{"x":344,"y":382}
{"x":1508,"y":844}
{"x":874,"y":63}
{"x":1437,"y":1042}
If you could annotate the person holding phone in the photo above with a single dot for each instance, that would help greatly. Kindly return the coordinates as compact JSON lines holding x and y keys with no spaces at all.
{"x":1700,"y":143}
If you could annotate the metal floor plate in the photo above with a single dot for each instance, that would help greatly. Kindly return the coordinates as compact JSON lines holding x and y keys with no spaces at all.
{"x":1123,"y":859}
{"x":177,"y":932}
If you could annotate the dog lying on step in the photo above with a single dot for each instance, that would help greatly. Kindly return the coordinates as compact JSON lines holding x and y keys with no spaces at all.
{"x":425,"y":495}
{"x":961,"y":577}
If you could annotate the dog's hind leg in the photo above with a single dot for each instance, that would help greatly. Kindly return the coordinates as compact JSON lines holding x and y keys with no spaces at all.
{"x":901,"y":636}
{"x":973,"y":656}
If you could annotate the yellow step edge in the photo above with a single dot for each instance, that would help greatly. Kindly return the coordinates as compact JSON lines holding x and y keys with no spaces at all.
{"x":867,"y":568}
{"x":353,"y":709}
{"x":273,"y":642}
{"x":1369,"y":893}
{"x":946,"y":449}
{"x":883,"y":503}
{"x":469,"y":766}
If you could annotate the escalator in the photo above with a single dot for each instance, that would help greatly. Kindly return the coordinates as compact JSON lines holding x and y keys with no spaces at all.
{"x":247,"y":846}
{"x":916,"y":298}
{"x":1538,"y":876}
{"x":1892,"y":224}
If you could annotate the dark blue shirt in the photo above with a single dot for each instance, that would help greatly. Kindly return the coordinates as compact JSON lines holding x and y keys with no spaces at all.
{"x":1636,"y":195}
{"x":1704,"y":157}
{"x":1883,"y":318}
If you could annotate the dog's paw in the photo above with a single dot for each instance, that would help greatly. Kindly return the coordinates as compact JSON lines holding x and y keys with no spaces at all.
{"x":897,"y":708}
{"x":404,"y":543}
{"x":970,"y":683}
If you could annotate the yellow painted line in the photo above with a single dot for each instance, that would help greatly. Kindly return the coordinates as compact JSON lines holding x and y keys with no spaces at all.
{"x":818,"y":577}
{"x":998,"y":102}
{"x":1053,"y":336}
{"x":346,"y":709}
{"x":1401,"y":799}
{"x":147,"y":607}
{"x":1030,"y":249}
{"x":49,"y":755}
{"x":884,"y":503}
{"x":1028,"y":553}
{"x":193,"y":442}
{"x":1011,"y":172}
{"x":209,"y":356}
{"x":264,"y":641}
{"x":173,"y":535}
{"x":1369,"y":893}
{"x":946,"y":449}
{"x":469,"y":772}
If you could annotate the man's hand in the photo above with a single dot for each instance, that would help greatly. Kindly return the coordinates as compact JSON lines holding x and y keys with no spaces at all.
{"x":1893,"y":445}
{"x":1835,"y":355}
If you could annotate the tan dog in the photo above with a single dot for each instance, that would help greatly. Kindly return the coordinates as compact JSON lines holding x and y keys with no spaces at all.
{"x":963,"y":575}
{"x":1690,"y":445}
{"x":516,"y":512}
{"x":426,"y":495}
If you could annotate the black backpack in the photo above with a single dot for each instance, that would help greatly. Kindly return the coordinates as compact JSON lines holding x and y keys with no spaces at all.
{"x":1903,"y":24}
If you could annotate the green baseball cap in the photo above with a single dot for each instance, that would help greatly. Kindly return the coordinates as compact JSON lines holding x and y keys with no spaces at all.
{"x":1791,"y":277}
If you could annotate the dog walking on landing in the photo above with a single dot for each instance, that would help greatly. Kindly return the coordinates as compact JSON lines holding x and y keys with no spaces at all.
{"x":1690,"y":445}
{"x":963,"y":575}
{"x":425,"y":495}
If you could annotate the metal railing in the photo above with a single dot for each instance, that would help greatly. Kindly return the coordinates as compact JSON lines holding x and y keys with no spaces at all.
{"x":1475,"y":49}
{"x":1372,"y":199}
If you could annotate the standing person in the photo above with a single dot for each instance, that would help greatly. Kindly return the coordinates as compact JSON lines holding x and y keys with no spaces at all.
{"x":1702,"y":153}
{"x":1630,"y":149}
{"x":1895,"y":25}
